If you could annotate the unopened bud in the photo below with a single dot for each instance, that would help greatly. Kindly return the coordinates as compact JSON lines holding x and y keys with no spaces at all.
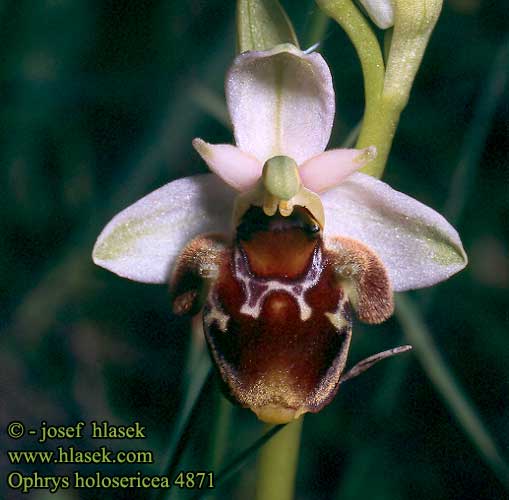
{"x":381,"y":12}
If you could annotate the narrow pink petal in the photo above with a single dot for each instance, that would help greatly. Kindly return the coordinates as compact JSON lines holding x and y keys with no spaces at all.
{"x":238,"y":169}
{"x":329,"y":169}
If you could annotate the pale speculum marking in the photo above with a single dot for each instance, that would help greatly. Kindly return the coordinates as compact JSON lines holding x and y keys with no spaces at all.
{"x":216,"y":313}
{"x":257,"y":289}
{"x":338,"y":318}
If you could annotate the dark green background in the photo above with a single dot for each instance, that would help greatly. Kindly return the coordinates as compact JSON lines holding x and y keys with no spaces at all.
{"x":99,"y":103}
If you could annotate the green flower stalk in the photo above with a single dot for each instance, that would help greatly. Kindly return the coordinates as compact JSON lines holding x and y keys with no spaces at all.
{"x":277,"y":464}
{"x":386,"y":87}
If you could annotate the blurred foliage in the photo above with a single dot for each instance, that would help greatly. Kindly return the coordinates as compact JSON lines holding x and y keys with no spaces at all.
{"x":100,"y":102}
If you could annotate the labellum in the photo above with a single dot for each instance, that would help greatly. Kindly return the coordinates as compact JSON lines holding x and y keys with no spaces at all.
{"x":277,"y":311}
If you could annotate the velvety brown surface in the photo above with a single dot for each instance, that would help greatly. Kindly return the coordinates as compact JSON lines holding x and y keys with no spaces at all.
{"x":278,"y":358}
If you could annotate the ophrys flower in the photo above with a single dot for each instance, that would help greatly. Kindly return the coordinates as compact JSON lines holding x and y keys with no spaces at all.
{"x":278,"y":269}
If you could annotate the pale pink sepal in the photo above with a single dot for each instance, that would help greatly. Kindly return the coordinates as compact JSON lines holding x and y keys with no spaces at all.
{"x":330,"y":168}
{"x":417,"y":245}
{"x":281,"y":102}
{"x":142,"y":242}
{"x":238,"y":169}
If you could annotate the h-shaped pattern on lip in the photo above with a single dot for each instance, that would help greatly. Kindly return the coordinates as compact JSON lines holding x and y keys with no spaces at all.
{"x":257,"y":289}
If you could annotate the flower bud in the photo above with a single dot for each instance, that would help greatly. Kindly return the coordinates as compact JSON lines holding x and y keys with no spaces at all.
{"x":414,"y":22}
{"x":263,"y":24}
{"x":381,"y":12}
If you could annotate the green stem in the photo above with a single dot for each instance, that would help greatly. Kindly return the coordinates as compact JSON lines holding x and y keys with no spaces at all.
{"x":386,"y":88}
{"x":378,"y":128}
{"x":366,"y":45}
{"x":277,"y":464}
{"x":378,"y":125}
{"x":405,"y":47}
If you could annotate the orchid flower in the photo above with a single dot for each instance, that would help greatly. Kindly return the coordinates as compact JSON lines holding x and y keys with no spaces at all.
{"x":283,"y":242}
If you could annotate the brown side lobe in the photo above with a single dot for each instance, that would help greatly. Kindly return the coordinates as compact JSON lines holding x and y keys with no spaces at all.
{"x":197,"y":264}
{"x":361,"y":272}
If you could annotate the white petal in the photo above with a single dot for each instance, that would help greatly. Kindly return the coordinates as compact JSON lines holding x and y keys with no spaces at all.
{"x":381,"y":12}
{"x":142,"y":242}
{"x":238,"y":169}
{"x":281,"y":102}
{"x":416,"y":244}
{"x":329,"y":169}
